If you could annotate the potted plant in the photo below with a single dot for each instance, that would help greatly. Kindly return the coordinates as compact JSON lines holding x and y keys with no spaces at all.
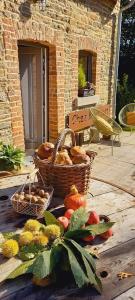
{"x":90,"y":88}
{"x":11,"y":158}
{"x":85,"y":88}
{"x":81,"y":80}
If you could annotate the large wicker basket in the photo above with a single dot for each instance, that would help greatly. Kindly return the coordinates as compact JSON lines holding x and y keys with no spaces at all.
{"x":61,"y":177}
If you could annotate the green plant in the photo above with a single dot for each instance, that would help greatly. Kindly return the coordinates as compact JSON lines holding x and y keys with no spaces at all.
{"x":63,"y":256}
{"x":11,"y":158}
{"x":81,"y":77}
{"x":125,"y":93}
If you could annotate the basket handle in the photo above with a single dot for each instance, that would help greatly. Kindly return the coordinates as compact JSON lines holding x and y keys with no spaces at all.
{"x":61,"y":139}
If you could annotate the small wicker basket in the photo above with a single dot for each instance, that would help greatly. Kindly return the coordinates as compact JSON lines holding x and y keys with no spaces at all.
{"x":62,"y":177}
{"x":29,"y":208}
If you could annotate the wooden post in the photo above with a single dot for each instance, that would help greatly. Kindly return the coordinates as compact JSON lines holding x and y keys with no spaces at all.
{"x":77,"y":138}
{"x":81,"y":138}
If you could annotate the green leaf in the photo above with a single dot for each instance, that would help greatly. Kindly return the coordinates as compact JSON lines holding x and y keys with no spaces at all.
{"x":77,"y":234}
{"x":41,"y":266}
{"x":25,"y":267}
{"x":12,"y":156}
{"x":26,"y":256}
{"x":89,"y":264}
{"x":84,"y":253}
{"x":78,"y":273}
{"x":50,"y":219}
{"x":55,"y":256}
{"x":91,"y":229}
{"x":99,"y":283}
{"x":78,"y":219}
{"x":93,"y":279}
{"x":32,"y":248}
{"x":11,"y":235}
{"x":99,"y":228}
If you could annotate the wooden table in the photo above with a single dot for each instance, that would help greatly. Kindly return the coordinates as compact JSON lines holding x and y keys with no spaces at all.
{"x":116,"y":254}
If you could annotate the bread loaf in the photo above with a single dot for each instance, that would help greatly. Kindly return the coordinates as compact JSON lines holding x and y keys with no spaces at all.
{"x":81,"y":159}
{"x":45,"y":150}
{"x":77,"y":150}
{"x":62,"y":158}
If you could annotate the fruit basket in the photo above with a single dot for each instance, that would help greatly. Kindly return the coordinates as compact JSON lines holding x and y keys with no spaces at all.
{"x":32,"y":198}
{"x":62,"y":177}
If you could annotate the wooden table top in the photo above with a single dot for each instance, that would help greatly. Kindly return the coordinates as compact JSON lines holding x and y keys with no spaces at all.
{"x":116,"y":254}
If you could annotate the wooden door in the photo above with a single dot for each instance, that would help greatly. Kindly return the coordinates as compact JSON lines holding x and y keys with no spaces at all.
{"x":31,"y":60}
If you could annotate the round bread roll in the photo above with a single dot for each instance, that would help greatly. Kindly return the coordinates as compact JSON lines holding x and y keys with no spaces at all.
{"x":62,"y":158}
{"x":80,"y":159}
{"x":45,"y":150}
{"x":65,"y":147}
{"x":77,"y":150}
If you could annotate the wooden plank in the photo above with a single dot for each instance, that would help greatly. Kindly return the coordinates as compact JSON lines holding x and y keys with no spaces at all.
{"x":117,"y":259}
{"x":115,"y":171}
{"x":99,"y":188}
{"x":128,"y":295}
{"x":113,"y":202}
{"x":12,"y":181}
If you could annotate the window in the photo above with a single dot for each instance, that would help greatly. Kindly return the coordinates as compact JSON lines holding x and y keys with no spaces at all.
{"x":85,"y":58}
{"x":86,"y":73}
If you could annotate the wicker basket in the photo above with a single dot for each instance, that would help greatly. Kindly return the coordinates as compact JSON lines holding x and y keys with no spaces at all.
{"x":61,"y":177}
{"x":29,"y":208}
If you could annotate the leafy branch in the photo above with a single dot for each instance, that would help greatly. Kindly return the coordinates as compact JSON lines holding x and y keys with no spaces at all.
{"x":64,"y":254}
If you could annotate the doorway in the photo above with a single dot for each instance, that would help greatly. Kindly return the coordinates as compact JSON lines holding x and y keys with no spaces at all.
{"x":33,"y":64}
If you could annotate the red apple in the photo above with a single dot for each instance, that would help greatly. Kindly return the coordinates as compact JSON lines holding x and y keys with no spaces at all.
{"x":89,"y":238}
{"x":93,"y":218}
{"x":63,"y":221}
{"x":69,"y":213}
{"x":107,"y":234}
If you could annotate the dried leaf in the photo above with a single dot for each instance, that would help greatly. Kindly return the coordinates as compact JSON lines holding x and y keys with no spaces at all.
{"x":93,"y":252}
{"x":123,"y":275}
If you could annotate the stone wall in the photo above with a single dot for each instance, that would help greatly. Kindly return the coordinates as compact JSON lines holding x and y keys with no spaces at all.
{"x":66,"y":27}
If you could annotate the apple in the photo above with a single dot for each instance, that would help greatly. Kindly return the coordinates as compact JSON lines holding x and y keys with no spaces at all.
{"x":93,"y":218}
{"x":89,"y":238}
{"x":107,"y":234}
{"x":63,"y":221}
{"x":69,"y":213}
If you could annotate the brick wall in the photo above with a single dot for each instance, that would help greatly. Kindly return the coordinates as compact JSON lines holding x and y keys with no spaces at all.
{"x":66,"y":27}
